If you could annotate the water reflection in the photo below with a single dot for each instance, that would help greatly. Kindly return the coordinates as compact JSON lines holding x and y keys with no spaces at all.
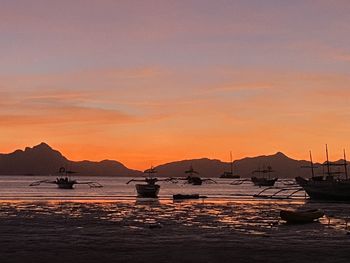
{"x":249,"y":217}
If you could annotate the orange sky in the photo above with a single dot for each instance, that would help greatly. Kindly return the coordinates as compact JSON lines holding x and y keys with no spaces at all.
{"x":152,"y":82}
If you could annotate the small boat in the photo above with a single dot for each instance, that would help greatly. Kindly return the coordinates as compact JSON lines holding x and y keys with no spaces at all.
{"x":331,"y":186}
{"x":230,"y":174}
{"x":64,"y":181}
{"x":301,"y":216}
{"x":264,"y":181}
{"x":188,"y":196}
{"x":150,"y":189}
{"x":193,"y":179}
{"x":147,"y":190}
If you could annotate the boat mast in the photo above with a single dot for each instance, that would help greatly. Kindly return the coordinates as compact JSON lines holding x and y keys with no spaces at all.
{"x":231,"y":162}
{"x":312,"y":166}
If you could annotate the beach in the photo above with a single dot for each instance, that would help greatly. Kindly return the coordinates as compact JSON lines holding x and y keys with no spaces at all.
{"x":147,"y":231}
{"x":46,"y":224}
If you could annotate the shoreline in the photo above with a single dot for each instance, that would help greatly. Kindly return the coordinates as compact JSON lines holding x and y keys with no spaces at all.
{"x":134,"y":231}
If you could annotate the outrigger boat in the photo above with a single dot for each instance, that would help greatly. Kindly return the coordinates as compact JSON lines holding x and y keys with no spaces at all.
{"x":230,"y":174}
{"x":330,"y":186}
{"x":64,"y":181}
{"x":195,"y":180}
{"x":301,"y":216}
{"x":150,"y":189}
{"x":263,"y":181}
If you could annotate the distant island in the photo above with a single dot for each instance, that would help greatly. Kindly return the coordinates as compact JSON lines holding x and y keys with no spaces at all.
{"x":43,"y":160}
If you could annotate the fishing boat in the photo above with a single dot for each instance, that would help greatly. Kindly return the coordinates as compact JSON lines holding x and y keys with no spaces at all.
{"x":149,"y":189}
{"x":64,"y":180}
{"x":264,"y":181}
{"x":194,"y":180}
{"x":332,"y":186}
{"x":230,"y":174}
{"x":301,"y":216}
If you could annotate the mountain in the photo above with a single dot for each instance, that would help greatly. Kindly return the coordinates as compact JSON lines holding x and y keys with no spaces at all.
{"x":284,"y":166}
{"x":206,"y":167}
{"x":43,"y":160}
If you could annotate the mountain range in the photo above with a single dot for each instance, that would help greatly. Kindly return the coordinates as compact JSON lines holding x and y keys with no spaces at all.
{"x":43,"y":160}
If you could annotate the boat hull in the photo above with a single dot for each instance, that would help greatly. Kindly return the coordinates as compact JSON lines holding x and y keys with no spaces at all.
{"x":67,"y":185}
{"x":263,"y":181}
{"x":326,"y":190}
{"x":302,"y":216}
{"x":147,"y":190}
{"x":194,"y":180}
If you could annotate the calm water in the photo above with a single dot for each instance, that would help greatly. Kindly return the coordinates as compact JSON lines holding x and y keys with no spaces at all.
{"x":17,"y":188}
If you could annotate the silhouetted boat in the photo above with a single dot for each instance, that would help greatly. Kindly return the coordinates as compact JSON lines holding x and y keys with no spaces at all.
{"x":264,"y":181}
{"x":195,"y":180}
{"x":150,"y":189}
{"x":64,"y":181}
{"x":230,"y":174}
{"x":301,"y":216}
{"x":327,"y":187}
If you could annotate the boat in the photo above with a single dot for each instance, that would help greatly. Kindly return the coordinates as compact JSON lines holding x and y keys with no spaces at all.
{"x":301,"y":216}
{"x":195,"y":180}
{"x":230,"y":174}
{"x":150,"y":188}
{"x":331,"y":186}
{"x":187,"y":196}
{"x":64,"y":181}
{"x":147,"y":190}
{"x":264,"y":181}
{"x":191,"y":179}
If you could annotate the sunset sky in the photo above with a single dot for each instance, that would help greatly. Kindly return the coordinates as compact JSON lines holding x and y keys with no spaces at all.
{"x":148,"y":82}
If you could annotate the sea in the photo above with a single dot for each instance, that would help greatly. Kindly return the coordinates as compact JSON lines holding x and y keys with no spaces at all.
{"x":91,"y":219}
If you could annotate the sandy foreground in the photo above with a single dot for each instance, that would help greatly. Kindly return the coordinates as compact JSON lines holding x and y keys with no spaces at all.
{"x":129,"y":232}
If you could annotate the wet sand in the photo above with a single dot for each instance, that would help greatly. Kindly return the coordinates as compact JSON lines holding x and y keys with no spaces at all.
{"x":149,"y":231}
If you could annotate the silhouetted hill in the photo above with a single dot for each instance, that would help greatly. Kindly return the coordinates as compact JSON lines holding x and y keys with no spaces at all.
{"x":43,"y":160}
{"x":206,"y":167}
{"x":284,"y":166}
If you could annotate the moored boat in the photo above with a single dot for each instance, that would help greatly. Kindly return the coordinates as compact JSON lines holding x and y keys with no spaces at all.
{"x":230,"y":174}
{"x":301,"y":216}
{"x":264,"y":181}
{"x":150,"y":189}
{"x":147,"y":190}
{"x":64,"y":181}
{"x":193,"y":179}
{"x":331,"y":186}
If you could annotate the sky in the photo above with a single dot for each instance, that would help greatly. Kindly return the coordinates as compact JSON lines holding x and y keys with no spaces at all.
{"x":153,"y":81}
